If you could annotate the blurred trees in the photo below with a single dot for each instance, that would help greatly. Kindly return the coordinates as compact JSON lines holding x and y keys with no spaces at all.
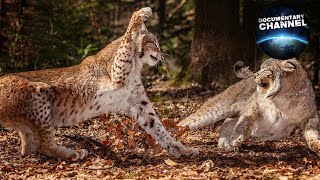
{"x":224,"y":33}
{"x":56,"y":33}
{"x":311,"y":56}
{"x":45,"y":34}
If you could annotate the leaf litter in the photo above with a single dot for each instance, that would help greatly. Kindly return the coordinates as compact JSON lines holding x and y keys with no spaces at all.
{"x":120,"y":149}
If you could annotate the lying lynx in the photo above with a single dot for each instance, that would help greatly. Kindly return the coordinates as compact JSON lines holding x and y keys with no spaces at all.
{"x":266,"y":105}
{"x":34,"y":103}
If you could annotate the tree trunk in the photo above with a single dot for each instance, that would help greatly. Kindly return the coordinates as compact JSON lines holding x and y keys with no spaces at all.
{"x":248,"y":33}
{"x":215,"y":46}
{"x":162,"y":15}
{"x":316,"y":65}
{"x":2,"y":17}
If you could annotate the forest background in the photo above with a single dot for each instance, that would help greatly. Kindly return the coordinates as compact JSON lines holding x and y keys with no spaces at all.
{"x":201,"y":39}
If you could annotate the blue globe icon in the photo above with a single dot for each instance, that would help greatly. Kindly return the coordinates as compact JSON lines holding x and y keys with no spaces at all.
{"x":282,"y":47}
{"x":282,"y":42}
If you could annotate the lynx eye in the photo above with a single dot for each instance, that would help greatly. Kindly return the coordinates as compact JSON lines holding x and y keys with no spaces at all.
{"x":141,"y":54}
{"x":153,"y":57}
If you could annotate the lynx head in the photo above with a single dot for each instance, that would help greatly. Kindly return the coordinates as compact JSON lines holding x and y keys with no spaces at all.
{"x":275,"y":75}
{"x":149,"y":49}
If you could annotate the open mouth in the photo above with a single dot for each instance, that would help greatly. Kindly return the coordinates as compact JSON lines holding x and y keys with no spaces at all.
{"x":263,"y":84}
{"x":264,"y":78}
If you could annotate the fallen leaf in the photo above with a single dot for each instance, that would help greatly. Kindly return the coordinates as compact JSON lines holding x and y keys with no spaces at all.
{"x":6,"y":168}
{"x":106,"y":142}
{"x":119,"y":130}
{"x":108,"y":162}
{"x":170,"y":162}
{"x":249,"y":162}
{"x":165,"y":122}
{"x":169,"y":123}
{"x":131,"y":133}
{"x":118,"y":144}
{"x":306,"y":161}
{"x":126,"y":122}
{"x":87,"y":163}
{"x":60,"y":165}
{"x":182,"y":130}
{"x":150,"y":140}
{"x":207,"y":166}
{"x":70,"y":174}
{"x":136,"y":161}
{"x":131,"y":143}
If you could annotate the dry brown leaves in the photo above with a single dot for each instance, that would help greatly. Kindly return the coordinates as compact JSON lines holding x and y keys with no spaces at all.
{"x":125,"y":133}
{"x":120,"y":149}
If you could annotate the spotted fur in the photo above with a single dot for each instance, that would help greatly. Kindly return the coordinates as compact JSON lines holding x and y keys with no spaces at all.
{"x":266,"y":105}
{"x":34,"y":103}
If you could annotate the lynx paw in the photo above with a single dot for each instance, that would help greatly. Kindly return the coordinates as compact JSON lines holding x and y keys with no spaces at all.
{"x":193,"y":152}
{"x":227,"y":147}
{"x":79,"y":154}
{"x":314,"y":146}
{"x":64,"y":153}
{"x":177,"y":150}
{"x":237,"y":141}
{"x":29,"y":149}
{"x":224,"y":143}
{"x":145,"y":13}
{"x":192,"y":123}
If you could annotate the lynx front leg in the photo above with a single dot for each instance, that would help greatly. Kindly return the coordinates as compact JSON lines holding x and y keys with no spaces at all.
{"x":40,"y":119}
{"x":225,"y":134}
{"x":243,"y":127}
{"x":311,"y":133}
{"x":149,"y":121}
{"x":208,"y":114}
{"x":125,"y":53}
{"x":48,"y":146}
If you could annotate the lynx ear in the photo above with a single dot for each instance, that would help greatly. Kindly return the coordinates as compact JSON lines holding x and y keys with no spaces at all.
{"x":141,"y":42}
{"x":288,"y":65}
{"x":141,"y":50}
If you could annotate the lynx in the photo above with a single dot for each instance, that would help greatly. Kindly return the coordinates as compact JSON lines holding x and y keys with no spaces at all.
{"x":34,"y":103}
{"x":265,"y":105}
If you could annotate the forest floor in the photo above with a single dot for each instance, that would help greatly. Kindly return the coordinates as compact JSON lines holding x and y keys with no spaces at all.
{"x":119,"y":149}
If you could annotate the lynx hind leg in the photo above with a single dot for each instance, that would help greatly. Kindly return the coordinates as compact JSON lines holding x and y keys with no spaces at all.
{"x":311,"y":134}
{"x":225,"y":134}
{"x":28,"y":142}
{"x":42,"y":127}
{"x":208,"y":114}
{"x":48,"y":146}
{"x":199,"y":119}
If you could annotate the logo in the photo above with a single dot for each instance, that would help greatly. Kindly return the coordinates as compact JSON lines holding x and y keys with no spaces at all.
{"x":282,"y":32}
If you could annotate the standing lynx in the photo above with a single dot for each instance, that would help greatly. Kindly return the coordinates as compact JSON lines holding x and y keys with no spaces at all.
{"x":266,"y":105}
{"x":34,"y":103}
